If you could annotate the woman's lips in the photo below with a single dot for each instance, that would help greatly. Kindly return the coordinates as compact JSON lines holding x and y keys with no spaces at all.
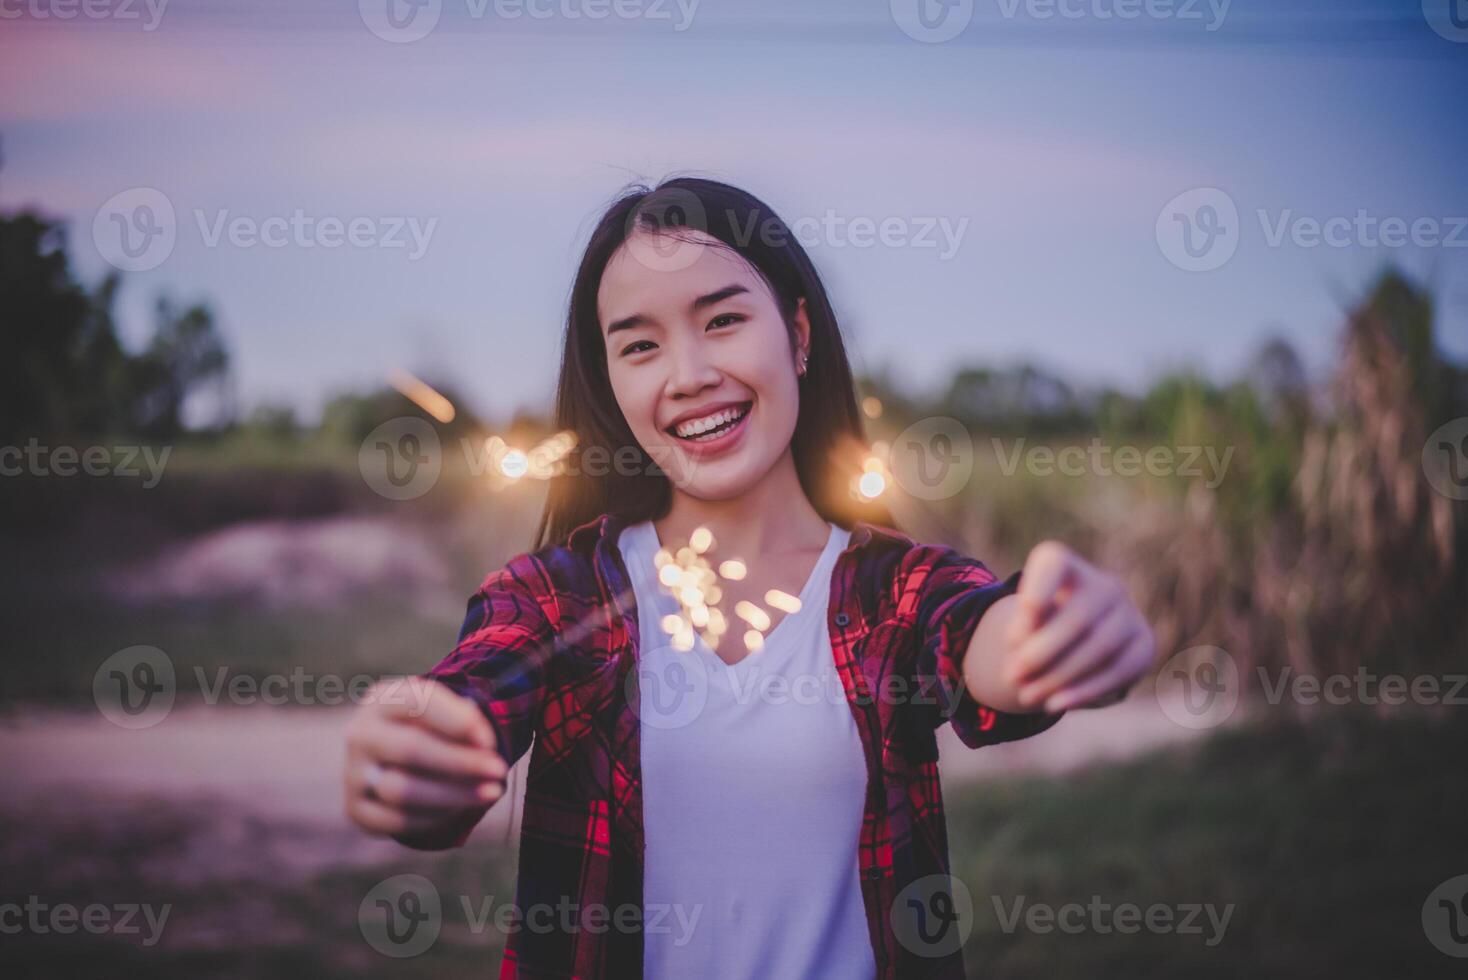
{"x":722,"y":443}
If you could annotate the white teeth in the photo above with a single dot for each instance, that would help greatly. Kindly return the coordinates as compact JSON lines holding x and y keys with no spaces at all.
{"x":695,"y":427}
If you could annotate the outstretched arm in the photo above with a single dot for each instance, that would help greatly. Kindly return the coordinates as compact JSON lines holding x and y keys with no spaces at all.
{"x":1069,"y":637}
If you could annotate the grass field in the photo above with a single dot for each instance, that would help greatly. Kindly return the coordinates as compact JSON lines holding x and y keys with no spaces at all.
{"x":1326,"y":839}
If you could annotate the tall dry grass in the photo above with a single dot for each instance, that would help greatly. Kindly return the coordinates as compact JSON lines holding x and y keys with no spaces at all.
{"x":1362,"y":563}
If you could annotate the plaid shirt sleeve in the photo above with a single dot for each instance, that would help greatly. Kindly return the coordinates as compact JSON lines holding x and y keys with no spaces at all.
{"x":954,"y":594}
{"x":499,"y":663}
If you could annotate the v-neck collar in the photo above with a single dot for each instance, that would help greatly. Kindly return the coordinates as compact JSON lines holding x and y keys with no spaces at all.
{"x":778,"y":641}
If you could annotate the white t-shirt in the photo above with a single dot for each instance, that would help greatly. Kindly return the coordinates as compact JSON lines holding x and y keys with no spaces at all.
{"x":753,"y":789}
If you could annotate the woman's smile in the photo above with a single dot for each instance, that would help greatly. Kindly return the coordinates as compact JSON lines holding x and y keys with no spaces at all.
{"x":716,"y":433}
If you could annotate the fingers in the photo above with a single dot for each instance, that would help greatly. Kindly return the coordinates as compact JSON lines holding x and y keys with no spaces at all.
{"x":1045,"y":649}
{"x":402,"y":789}
{"x":380,"y":818}
{"x":1089,"y":647}
{"x":426,"y":753}
{"x":433,"y":705}
{"x":1119,"y":672}
{"x":1049,"y":567}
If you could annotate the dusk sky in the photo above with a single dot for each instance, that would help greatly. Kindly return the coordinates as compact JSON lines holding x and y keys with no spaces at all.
{"x":1023,"y":168}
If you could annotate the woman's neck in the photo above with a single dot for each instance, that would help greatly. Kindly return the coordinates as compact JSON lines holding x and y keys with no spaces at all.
{"x":774,"y":516}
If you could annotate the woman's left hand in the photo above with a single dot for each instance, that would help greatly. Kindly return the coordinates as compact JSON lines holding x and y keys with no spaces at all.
{"x":1077,"y":639}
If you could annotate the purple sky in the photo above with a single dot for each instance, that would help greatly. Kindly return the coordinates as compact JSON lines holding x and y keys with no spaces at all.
{"x":1020,"y":169}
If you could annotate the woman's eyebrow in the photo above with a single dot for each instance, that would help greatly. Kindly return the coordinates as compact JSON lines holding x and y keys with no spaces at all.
{"x":717,"y":296}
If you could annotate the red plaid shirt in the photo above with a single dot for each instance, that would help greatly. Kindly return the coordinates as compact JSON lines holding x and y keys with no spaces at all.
{"x":546,"y":651}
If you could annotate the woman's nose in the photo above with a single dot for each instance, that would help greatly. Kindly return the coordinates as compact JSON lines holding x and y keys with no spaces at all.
{"x":691,"y":370}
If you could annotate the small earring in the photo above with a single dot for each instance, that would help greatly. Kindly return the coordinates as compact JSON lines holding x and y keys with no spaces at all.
{"x":805,"y":358}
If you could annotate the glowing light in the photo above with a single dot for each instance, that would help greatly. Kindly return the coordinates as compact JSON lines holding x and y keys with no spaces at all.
{"x":422,"y":395}
{"x":871,"y":482}
{"x":782,"y":600}
{"x":872,"y":406}
{"x":872,"y":485}
{"x":514,"y":464}
{"x":688,"y":575}
{"x":752,"y":614}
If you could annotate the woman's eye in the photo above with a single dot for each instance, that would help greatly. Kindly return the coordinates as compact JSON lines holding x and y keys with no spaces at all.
{"x":632,"y":348}
{"x":731,"y":318}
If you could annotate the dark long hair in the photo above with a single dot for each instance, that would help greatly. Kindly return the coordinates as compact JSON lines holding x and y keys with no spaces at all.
{"x":828,"y":437}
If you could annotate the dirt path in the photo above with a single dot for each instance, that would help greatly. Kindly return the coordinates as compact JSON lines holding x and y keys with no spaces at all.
{"x":283,"y":766}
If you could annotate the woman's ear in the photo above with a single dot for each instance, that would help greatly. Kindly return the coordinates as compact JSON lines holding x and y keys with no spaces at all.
{"x":802,"y":331}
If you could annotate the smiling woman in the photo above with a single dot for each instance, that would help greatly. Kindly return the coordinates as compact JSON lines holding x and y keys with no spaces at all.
{"x":677,"y":312}
{"x":681,"y":776}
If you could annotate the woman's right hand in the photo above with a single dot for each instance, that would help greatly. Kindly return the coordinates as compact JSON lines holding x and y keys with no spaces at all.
{"x":420,"y":758}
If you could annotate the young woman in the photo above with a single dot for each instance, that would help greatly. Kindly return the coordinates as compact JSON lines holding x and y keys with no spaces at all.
{"x":739,"y":805}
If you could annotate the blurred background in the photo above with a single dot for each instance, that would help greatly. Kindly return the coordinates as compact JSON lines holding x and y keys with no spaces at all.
{"x":1182,"y":284}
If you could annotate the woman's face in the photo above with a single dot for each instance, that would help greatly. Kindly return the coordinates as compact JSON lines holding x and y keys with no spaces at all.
{"x":700,"y":340}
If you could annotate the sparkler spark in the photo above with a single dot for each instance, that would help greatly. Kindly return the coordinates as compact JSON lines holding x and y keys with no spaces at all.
{"x":688,"y":575}
{"x":541,"y":462}
{"x":422,"y":395}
